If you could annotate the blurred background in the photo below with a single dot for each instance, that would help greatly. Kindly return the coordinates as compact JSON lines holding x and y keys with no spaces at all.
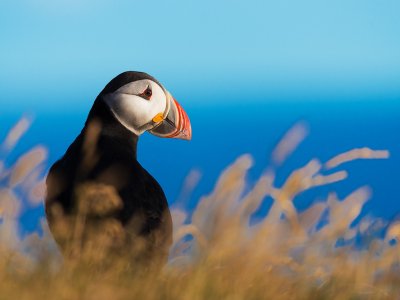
{"x":245,"y":72}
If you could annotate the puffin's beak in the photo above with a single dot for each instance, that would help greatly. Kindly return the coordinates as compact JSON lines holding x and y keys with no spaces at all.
{"x":175,"y":123}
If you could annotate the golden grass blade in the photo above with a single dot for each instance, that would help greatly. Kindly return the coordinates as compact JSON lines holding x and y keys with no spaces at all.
{"x":362,"y":153}
{"x":212,"y":210}
{"x":179,"y":216}
{"x":190,"y":183}
{"x":343,"y":213}
{"x":11,"y":208}
{"x":309,"y":218}
{"x":319,"y":180}
{"x":16,"y":133}
{"x":254,"y":198}
{"x":289,"y":143}
{"x":27,"y":164}
{"x":10,"y":205}
{"x":393,"y":232}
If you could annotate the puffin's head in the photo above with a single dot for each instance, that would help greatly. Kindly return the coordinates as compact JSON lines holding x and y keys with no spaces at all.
{"x":140,"y":103}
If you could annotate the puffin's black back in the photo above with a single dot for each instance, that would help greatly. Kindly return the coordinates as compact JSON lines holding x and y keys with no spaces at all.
{"x":100,"y":177}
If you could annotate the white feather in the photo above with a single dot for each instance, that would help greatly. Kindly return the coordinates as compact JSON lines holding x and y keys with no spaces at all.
{"x":133,"y":111}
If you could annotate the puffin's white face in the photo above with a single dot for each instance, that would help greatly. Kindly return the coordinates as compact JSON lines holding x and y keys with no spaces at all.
{"x":137,"y":103}
{"x":143,"y":105}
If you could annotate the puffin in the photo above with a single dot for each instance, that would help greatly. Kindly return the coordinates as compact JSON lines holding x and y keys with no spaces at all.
{"x":99,"y":199}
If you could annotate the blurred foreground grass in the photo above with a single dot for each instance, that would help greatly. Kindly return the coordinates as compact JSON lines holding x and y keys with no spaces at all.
{"x":319,"y":253}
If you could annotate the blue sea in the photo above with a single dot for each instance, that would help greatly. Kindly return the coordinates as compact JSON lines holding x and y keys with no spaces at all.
{"x":224,"y":130}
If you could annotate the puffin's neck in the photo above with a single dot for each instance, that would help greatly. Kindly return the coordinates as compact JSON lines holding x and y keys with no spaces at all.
{"x":112,"y":133}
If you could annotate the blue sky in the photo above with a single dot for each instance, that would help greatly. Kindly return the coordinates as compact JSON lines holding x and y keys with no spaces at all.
{"x":62,"y":52}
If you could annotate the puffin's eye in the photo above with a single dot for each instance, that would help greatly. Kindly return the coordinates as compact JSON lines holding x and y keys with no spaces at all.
{"x":147,"y":93}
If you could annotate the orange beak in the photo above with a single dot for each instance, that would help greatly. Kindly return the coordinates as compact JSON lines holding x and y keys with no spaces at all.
{"x":175,"y":123}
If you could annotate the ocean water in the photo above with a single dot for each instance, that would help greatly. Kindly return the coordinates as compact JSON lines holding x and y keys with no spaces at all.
{"x":222,"y":132}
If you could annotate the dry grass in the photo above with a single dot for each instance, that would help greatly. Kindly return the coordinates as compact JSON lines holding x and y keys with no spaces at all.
{"x":217,"y":253}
